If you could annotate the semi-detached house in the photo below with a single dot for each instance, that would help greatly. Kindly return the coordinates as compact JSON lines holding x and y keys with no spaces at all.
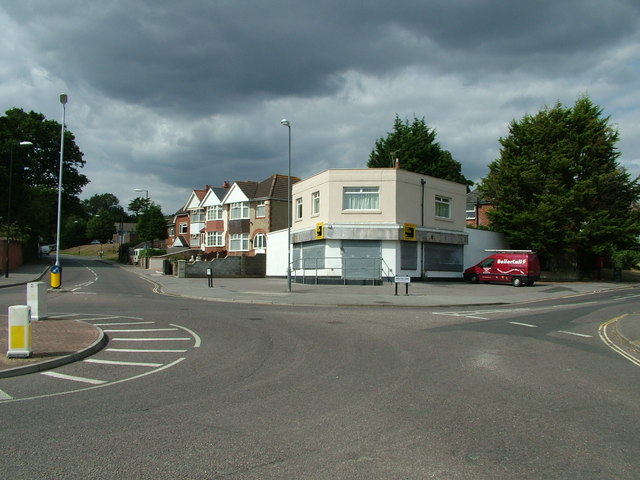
{"x":362,"y":225}
{"x":233,"y":219}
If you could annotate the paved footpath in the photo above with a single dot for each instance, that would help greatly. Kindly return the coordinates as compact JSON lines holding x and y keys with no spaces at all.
{"x":57,"y":341}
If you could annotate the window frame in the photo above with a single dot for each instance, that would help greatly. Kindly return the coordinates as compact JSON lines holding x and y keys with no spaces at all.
{"x":184,"y":228}
{"x":260,"y":241}
{"x":361,"y":192}
{"x":261,"y":210}
{"x":443,"y":202}
{"x":243,"y":238}
{"x":298,"y":208}
{"x":215,"y":239}
{"x":239,"y":211}
{"x":315,"y":203}
{"x":214,"y":212}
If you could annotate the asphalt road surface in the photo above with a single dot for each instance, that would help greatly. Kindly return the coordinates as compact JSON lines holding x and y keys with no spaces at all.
{"x":189,"y":389}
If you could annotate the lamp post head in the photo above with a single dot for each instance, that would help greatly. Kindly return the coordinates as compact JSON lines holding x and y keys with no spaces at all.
{"x":285,"y":122}
{"x":63,"y":98}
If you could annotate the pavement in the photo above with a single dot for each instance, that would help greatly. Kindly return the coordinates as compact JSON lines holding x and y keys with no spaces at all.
{"x":57,"y":341}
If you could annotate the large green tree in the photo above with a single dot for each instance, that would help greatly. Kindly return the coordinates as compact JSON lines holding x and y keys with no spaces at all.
{"x":152,"y":224}
{"x":34,"y":179}
{"x":558,"y":187}
{"x":414,"y":145}
{"x":101,"y":227}
{"x":105,"y":201}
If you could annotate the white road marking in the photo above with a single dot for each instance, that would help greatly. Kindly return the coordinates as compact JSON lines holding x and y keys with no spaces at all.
{"x":63,"y":376}
{"x":138,"y":330}
{"x":148,"y":339}
{"x":197,"y":342}
{"x":142,"y":350}
{"x":93,"y":387}
{"x":576,"y":334}
{"x":121,"y":323}
{"x":5,"y":396}
{"x":524,"y":324}
{"x":117,"y":362}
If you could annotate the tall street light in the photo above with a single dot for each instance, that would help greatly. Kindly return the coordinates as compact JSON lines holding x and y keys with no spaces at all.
{"x":146,"y":206}
{"x":63,"y":101}
{"x":287,"y":124}
{"x":6,"y":260}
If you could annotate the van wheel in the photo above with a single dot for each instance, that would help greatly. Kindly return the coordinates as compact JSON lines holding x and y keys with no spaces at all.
{"x":516,"y":281}
{"x":473,"y":279}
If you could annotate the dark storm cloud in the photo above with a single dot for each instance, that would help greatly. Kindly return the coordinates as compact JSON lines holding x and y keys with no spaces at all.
{"x":207,"y":56}
{"x":186,"y":93}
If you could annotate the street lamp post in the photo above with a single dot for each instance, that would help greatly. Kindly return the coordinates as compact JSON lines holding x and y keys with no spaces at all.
{"x":6,"y":260}
{"x":146,"y":207}
{"x":287,"y":124}
{"x":57,"y":271}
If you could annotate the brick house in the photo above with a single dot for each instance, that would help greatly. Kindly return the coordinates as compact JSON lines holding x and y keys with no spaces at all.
{"x":477,"y":208}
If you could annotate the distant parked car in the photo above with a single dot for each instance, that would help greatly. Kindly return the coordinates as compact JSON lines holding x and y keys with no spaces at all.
{"x":45,"y":249}
{"x":95,"y":242}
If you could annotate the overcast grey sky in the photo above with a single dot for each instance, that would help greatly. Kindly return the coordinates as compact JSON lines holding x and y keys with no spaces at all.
{"x":172,"y":95}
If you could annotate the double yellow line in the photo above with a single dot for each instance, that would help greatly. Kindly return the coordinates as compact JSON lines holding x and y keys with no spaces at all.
{"x":602,"y":332}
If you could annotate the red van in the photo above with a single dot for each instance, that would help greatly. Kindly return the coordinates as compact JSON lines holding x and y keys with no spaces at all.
{"x":518,"y":267}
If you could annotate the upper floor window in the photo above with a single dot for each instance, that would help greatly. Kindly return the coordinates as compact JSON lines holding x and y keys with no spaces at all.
{"x":239,"y":210}
{"x":184,"y":228}
{"x":260,"y":210}
{"x":443,"y":207}
{"x":214,"y":212}
{"x":315,"y":203}
{"x":471,"y":211}
{"x":298,"y":208}
{"x":361,"y":198}
{"x":197,"y":216}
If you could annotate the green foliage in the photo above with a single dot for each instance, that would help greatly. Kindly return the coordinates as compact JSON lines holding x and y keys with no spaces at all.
{"x":73,"y":232}
{"x":152,"y":224}
{"x":626,"y":259}
{"x":558,"y":188}
{"x":36,"y":172}
{"x":139,"y":205}
{"x":415,"y":146}
{"x":101,"y":227}
{"x":107,"y":202}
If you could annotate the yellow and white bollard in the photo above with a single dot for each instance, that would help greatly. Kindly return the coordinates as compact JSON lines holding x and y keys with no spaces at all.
{"x":19,"y":331}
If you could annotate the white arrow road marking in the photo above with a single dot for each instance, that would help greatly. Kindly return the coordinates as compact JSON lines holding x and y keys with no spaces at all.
{"x":63,"y":376}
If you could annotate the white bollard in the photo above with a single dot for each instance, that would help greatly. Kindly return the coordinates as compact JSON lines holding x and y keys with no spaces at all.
{"x":19,"y":338}
{"x":37,"y":300}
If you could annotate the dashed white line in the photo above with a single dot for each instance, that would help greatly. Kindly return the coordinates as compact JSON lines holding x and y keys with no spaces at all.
{"x":524,"y":324}
{"x":91,"y":381}
{"x":123,"y":363}
{"x":576,"y":334}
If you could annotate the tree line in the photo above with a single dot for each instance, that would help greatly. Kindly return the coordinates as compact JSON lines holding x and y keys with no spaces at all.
{"x":557,"y":186}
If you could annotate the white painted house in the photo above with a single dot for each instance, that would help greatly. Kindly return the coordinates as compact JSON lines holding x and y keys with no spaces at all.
{"x":366,"y":225}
